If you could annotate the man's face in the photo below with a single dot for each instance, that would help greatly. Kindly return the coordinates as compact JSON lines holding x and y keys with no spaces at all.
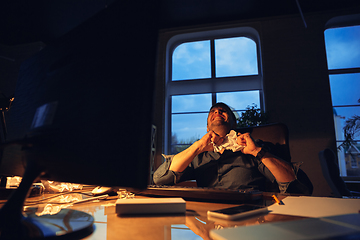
{"x":218,"y":117}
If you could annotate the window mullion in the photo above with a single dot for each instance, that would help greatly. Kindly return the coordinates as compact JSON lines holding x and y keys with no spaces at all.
{"x":212,"y":57}
{"x":344,"y":71}
{"x":213,"y":70}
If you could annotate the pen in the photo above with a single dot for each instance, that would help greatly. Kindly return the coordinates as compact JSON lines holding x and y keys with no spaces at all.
{"x":277,"y":200}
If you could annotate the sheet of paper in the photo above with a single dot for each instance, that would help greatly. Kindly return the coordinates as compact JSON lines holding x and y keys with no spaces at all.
{"x":316,"y":206}
{"x":305,"y":229}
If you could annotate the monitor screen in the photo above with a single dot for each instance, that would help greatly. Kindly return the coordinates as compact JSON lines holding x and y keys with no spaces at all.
{"x":84,"y":104}
{"x":82,"y":113}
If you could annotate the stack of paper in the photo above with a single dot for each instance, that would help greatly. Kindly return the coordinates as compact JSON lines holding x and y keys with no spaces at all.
{"x":150,"y":206}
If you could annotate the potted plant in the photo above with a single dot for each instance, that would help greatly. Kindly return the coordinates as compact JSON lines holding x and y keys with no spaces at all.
{"x":252,"y":116}
{"x":351,"y":128}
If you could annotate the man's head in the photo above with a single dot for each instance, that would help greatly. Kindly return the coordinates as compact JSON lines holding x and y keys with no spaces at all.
{"x":221,"y":119}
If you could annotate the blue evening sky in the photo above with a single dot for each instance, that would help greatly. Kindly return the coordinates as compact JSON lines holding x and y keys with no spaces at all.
{"x":343,"y":51}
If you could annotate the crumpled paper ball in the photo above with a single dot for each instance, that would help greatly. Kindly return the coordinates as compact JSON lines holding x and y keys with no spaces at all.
{"x":229,"y":143}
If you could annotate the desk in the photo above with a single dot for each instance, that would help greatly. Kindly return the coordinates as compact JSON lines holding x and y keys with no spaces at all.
{"x":192,"y":225}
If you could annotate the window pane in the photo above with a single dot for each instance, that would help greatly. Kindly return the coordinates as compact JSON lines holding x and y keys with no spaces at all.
{"x":187,"y":128}
{"x":341,"y":114}
{"x":235,"y":57}
{"x":239,"y":100}
{"x":345,"y":89}
{"x":343,"y":51}
{"x":191,"y":61}
{"x":343,"y":47}
{"x":191,"y":103}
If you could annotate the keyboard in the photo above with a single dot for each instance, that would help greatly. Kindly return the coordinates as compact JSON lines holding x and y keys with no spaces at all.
{"x":204,"y":194}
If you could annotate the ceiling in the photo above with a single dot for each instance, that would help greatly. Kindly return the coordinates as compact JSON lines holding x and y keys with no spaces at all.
{"x":23,"y":21}
{"x":27,"y":26}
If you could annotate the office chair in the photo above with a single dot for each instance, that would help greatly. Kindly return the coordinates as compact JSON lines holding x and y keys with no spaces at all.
{"x":275,"y":136}
{"x":331,"y":173}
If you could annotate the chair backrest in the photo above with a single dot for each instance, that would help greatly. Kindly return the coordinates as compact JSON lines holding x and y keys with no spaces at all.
{"x":276,"y":136}
{"x":331,"y":173}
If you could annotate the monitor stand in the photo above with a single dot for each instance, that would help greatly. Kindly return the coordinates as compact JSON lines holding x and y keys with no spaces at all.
{"x":15,"y":224}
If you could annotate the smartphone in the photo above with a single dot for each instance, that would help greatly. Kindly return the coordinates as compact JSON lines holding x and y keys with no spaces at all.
{"x":238,"y":212}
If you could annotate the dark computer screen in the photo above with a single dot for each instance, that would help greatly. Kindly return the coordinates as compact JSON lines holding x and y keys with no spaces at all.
{"x":82,"y":113}
{"x":85,"y":103}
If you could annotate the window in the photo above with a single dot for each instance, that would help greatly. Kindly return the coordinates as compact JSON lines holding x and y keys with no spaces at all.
{"x":204,"y":68}
{"x":343,"y":56}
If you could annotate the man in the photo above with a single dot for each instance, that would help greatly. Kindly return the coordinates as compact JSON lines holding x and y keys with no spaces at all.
{"x":251,"y":166}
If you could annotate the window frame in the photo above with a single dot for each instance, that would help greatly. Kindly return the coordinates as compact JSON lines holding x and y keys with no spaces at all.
{"x":340,"y":22}
{"x":211,"y":85}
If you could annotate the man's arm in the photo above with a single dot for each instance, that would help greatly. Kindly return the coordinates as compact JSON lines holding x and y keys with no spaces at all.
{"x":183,"y":159}
{"x":282,"y":171}
{"x":171,"y":170}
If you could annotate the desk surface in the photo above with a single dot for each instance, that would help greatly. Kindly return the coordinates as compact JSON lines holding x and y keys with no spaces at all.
{"x":194,"y":224}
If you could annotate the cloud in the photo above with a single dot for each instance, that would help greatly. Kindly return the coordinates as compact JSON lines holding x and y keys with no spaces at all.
{"x":240,"y":100}
{"x":235,"y":56}
{"x":191,"y":103}
{"x":188,"y":53}
{"x":192,"y":60}
{"x":343,"y":47}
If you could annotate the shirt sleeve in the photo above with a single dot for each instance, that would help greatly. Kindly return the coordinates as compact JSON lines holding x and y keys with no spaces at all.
{"x":300,"y":185}
{"x":164,"y":176}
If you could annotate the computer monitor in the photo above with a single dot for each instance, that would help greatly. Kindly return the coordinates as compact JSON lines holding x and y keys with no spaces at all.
{"x":82,"y":109}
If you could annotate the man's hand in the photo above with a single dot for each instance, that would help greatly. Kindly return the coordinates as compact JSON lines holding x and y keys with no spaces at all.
{"x":249,"y":143}
{"x":182,"y":159}
{"x":206,"y":142}
{"x":281,"y":170}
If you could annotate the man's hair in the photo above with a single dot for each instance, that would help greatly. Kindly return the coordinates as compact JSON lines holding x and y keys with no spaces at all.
{"x":228,"y":110}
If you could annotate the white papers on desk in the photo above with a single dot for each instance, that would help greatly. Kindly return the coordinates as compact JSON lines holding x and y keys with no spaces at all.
{"x":316,"y":206}
{"x":328,"y":218}
{"x":305,"y":229}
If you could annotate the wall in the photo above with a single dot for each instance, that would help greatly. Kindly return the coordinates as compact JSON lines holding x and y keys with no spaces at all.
{"x":296,"y":85}
{"x":297,"y":90}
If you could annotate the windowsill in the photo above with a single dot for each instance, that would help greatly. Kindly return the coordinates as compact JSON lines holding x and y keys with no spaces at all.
{"x":351,"y":179}
{"x":352,"y":183}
